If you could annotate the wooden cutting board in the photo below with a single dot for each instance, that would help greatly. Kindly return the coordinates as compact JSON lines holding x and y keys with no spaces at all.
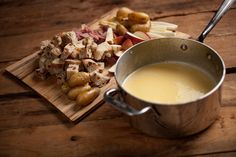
{"x":24,"y":70}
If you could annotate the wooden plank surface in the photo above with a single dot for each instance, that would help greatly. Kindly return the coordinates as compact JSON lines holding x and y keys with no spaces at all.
{"x":229,"y":90}
{"x":69,"y":14}
{"x":34,"y":112}
{"x":115,"y":137}
{"x":30,"y":127}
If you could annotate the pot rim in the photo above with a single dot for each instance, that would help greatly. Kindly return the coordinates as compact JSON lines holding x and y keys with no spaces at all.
{"x":216,"y":87}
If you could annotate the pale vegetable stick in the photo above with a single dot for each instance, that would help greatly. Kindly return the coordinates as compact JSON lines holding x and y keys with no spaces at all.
{"x":163,"y":25}
{"x":157,"y":28}
{"x":154,"y":35}
{"x":164,"y":33}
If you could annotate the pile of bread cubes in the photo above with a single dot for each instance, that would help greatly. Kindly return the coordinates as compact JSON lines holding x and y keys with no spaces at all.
{"x":78,"y":65}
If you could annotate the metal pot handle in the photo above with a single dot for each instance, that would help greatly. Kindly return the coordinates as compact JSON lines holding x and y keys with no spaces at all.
{"x":122,"y":106}
{"x":224,"y":7}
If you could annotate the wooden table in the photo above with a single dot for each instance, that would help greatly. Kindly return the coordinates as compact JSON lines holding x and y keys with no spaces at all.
{"x":30,"y":126}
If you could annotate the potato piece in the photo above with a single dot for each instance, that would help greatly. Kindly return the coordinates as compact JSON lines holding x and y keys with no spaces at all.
{"x":108,"y":23}
{"x":123,"y":13}
{"x":79,"y":79}
{"x":125,"y":23}
{"x":121,"y":30}
{"x":141,"y":27}
{"x":74,"y":92}
{"x":65,"y":87}
{"x":138,"y":17}
{"x":87,"y":97}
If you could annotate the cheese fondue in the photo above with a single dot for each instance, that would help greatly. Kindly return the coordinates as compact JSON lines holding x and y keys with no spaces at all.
{"x":169,"y":83}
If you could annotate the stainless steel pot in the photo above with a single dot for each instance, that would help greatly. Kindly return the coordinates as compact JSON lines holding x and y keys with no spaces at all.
{"x":165,"y":120}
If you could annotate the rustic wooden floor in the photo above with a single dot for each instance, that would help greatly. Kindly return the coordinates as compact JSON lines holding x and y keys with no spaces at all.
{"x":29,"y":126}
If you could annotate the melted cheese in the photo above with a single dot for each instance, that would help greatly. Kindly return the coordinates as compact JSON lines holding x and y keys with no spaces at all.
{"x":168,"y":83}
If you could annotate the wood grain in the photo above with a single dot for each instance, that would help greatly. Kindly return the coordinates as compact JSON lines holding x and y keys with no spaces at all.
{"x":29,"y":126}
{"x":32,"y":112}
{"x":220,"y":154}
{"x":17,"y":47}
{"x":114,"y":137}
{"x":69,"y":14}
{"x":229,"y":90}
{"x":9,"y":85}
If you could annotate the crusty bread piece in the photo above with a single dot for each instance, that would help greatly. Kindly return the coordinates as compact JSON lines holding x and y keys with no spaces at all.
{"x":68,"y":49}
{"x":90,"y":65}
{"x":68,"y":37}
{"x":71,"y":69}
{"x":101,"y":50}
{"x":56,"y":66}
{"x":98,"y":79}
{"x":56,"y":40}
{"x":74,"y":61}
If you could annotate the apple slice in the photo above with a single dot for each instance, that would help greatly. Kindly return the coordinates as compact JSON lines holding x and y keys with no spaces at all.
{"x":142,"y":35}
{"x":118,"y":40}
{"x":126,"y":44}
{"x":135,"y":39}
